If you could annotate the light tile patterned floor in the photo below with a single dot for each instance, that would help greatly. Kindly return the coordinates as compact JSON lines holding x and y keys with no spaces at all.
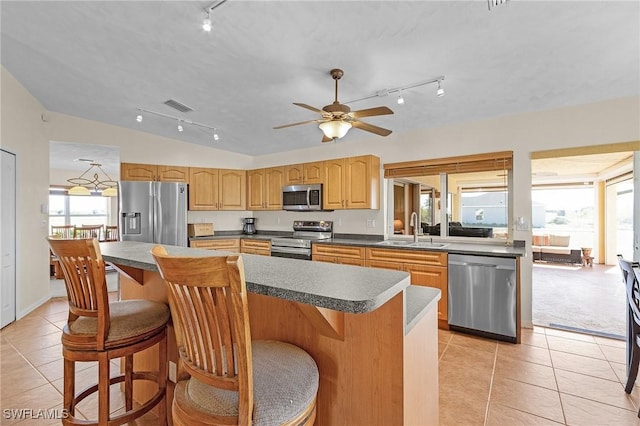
{"x":553,"y":377}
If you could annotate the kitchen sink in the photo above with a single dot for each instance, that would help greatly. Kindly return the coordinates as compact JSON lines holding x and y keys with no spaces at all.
{"x":405,"y":243}
{"x":427,"y":244}
{"x":394,"y":243}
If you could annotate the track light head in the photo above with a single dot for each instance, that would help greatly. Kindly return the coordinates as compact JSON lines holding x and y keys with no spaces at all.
{"x":206,"y":24}
{"x":180,"y":128}
{"x":440,"y":91}
{"x":139,"y":118}
{"x":215,"y":135}
{"x":400,"y":100}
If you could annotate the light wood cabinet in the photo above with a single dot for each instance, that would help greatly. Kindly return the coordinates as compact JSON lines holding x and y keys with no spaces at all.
{"x":216,"y":189}
{"x":229,"y":244}
{"x":153,"y":172}
{"x":259,"y":247}
{"x":352,"y":183}
{"x":346,"y":255}
{"x":426,"y":268}
{"x":308,"y":173}
{"x":264,"y":188}
{"x":173,"y":174}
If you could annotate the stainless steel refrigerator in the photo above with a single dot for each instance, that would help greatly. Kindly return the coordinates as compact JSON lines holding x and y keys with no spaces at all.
{"x":153,"y":212}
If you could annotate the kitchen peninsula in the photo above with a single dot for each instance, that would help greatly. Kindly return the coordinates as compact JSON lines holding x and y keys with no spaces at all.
{"x":372,"y":334}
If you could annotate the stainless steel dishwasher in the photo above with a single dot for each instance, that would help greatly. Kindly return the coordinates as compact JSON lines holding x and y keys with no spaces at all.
{"x":482,"y":295}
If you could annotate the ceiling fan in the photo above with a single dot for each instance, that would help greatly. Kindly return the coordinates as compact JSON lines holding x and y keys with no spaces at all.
{"x":338,"y":118}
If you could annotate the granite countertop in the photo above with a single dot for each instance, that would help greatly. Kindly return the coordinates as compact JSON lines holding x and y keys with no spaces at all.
{"x":344,"y":288}
{"x":476,"y":248}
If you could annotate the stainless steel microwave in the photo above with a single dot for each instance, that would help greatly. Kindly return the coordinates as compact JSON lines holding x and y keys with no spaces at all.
{"x":302,"y":197}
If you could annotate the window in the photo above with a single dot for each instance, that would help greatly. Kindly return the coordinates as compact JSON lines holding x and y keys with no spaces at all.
{"x":476,"y":188}
{"x":77,"y":209}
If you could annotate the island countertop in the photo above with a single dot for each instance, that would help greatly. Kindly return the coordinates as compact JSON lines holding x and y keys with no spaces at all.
{"x":343,"y":288}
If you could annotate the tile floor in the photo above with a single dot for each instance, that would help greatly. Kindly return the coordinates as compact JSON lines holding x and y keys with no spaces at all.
{"x":553,"y":377}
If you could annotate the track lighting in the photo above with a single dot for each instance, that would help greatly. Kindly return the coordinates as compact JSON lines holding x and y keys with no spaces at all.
{"x":400,"y":100}
{"x":206,"y":23}
{"x":180,"y":121}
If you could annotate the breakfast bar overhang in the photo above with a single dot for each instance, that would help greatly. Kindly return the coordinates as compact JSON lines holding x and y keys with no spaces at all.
{"x":371,"y":333}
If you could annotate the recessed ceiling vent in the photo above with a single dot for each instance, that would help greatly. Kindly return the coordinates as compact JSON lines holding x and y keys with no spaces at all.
{"x":177,"y":105}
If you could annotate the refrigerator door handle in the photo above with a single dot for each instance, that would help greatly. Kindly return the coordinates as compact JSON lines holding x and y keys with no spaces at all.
{"x":157,"y":214}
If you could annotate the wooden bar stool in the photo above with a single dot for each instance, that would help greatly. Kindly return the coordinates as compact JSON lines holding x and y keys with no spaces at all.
{"x":88,"y":231}
{"x":224,"y":377}
{"x":97,"y":330}
{"x":111,"y":233}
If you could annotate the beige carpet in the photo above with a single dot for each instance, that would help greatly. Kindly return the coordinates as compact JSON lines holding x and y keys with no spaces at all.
{"x":584,"y":299}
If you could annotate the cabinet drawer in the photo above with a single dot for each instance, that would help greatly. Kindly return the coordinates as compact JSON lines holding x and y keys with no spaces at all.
{"x":384,"y":265}
{"x":227,"y":245}
{"x":255,"y":244}
{"x":260,"y":252}
{"x":408,"y":256}
{"x":339,"y":251}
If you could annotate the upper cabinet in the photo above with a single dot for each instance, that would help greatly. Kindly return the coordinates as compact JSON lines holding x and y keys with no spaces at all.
{"x":153,"y":172}
{"x":352,"y":183}
{"x":216,"y":189}
{"x":308,"y":173}
{"x":264,"y":188}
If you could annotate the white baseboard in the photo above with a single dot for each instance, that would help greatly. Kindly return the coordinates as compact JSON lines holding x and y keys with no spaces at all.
{"x":32,"y":307}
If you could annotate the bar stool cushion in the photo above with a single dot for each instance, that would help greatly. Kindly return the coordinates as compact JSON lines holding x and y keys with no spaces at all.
{"x":129,"y":318}
{"x":285,"y":382}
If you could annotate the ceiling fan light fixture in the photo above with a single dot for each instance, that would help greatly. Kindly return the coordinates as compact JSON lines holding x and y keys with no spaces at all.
{"x":335,"y":129}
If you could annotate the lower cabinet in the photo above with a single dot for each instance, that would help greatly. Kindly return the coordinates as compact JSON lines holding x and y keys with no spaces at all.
{"x":346,"y":255}
{"x":427,"y":268}
{"x":260,"y":247}
{"x":230,"y":244}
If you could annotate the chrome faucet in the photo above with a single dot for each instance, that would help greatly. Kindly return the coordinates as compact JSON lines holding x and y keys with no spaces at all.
{"x":414,"y":222}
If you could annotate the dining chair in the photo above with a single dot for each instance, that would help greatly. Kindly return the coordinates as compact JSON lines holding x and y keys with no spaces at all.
{"x":630,"y":274}
{"x":111,"y":233}
{"x":63,"y":231}
{"x":88,"y":231}
{"x":225,"y":377}
{"x":97,"y":330}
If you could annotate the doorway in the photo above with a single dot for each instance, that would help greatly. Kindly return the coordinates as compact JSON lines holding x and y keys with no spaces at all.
{"x":570,"y":293}
{"x":8,"y":237}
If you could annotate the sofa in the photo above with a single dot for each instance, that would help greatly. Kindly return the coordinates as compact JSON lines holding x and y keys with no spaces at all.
{"x":554,"y":248}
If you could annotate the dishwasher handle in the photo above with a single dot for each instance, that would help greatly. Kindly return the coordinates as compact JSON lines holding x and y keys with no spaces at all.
{"x":483,"y":265}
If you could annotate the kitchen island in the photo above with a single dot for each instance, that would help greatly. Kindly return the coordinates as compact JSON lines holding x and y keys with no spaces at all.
{"x":373,"y":336}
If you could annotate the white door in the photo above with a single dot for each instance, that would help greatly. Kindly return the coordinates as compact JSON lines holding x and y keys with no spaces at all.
{"x":8,"y":238}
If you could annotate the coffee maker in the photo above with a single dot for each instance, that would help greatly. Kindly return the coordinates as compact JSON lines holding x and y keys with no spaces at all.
{"x":249,"y":226}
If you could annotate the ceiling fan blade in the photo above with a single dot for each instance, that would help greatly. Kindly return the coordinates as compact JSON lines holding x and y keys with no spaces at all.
{"x":309,"y":107}
{"x":370,"y":112}
{"x":296,"y":124}
{"x":326,"y":139}
{"x":370,"y":128}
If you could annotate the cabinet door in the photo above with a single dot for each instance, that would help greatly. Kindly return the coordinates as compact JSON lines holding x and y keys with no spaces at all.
{"x":324,"y":258}
{"x":431,"y":276}
{"x":362,"y":182}
{"x":333,"y":190}
{"x":255,"y":189}
{"x":274,"y":179}
{"x":313,"y":172}
{"x":139,"y":172}
{"x":173,"y":174}
{"x":350,"y":261}
{"x":232,"y":189}
{"x":293,"y":174}
{"x":203,"y":188}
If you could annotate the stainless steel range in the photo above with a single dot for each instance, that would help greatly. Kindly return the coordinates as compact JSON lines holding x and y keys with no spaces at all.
{"x":298,"y":246}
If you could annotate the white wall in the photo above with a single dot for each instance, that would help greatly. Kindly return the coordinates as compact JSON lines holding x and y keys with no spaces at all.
{"x":24,"y":133}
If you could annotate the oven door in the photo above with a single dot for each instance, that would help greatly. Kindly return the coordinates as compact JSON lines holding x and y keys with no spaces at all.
{"x":291,"y":252}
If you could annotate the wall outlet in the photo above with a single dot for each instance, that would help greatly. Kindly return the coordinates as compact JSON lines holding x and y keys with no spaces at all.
{"x":371,"y":223}
{"x":173,"y":371}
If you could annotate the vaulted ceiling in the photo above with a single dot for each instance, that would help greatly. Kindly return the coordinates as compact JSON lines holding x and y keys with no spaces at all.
{"x":103,"y":60}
